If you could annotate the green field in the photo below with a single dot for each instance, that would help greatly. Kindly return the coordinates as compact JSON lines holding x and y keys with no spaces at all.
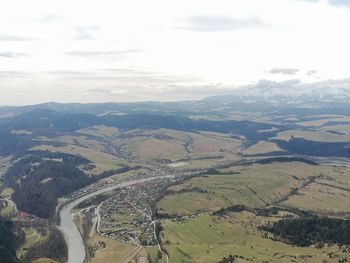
{"x":202,"y":237}
{"x":160,"y":144}
{"x":109,"y":149}
{"x":102,"y":160}
{"x":254,"y":186}
{"x":6,"y":193}
{"x":33,"y":237}
{"x":9,"y":209}
{"x":196,"y":235}
{"x":207,"y":238}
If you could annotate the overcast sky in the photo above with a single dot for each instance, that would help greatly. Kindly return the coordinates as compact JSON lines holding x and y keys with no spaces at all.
{"x":96,"y":51}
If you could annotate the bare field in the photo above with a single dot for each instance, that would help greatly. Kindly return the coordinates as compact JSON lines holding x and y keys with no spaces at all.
{"x":114,"y":251}
{"x":262,"y":147}
{"x":321,"y":198}
{"x":174,"y":145}
{"x":345,"y":129}
{"x":324,"y":119}
{"x":103,"y":161}
{"x":101,"y":131}
{"x":155,"y":149}
{"x":320,"y":136}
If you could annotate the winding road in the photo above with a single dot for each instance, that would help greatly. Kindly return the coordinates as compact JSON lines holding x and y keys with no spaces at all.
{"x":76,"y":248}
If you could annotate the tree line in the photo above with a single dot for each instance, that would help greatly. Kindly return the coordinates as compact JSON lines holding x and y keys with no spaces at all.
{"x":305,"y":231}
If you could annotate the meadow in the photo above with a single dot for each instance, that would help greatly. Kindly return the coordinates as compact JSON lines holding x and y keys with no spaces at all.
{"x":251,"y":185}
{"x":208,"y":238}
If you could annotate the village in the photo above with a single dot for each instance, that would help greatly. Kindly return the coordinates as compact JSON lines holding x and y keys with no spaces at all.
{"x":127,"y":216}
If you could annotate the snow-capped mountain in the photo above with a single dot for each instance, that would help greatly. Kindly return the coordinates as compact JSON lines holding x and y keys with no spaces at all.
{"x":291,"y":92}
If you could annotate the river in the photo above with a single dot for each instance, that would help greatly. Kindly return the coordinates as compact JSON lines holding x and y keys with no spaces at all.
{"x":76,"y":248}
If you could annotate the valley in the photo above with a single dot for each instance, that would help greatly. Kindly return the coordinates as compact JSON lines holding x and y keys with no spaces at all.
{"x":172,"y":186}
{"x":175,"y":131}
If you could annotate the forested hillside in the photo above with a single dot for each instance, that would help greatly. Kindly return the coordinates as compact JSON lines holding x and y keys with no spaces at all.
{"x":11,"y":238}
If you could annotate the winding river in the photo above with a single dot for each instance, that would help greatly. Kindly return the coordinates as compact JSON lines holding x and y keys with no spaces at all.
{"x":76,"y":248}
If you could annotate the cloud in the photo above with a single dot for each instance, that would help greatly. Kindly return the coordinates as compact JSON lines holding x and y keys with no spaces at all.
{"x":85,"y":32}
{"x":265,"y":83}
{"x":310,"y":1}
{"x":165,"y":92}
{"x":109,"y":91}
{"x":285,"y":71}
{"x":129,"y":71}
{"x":14,"y":38}
{"x":343,"y":82}
{"x":311,"y":72}
{"x":101,"y":54}
{"x":12,"y":54}
{"x":222,"y":23}
{"x":339,"y":2}
{"x":331,"y":2}
{"x":49,"y":19}
{"x":69,"y":73}
{"x":13,"y":74}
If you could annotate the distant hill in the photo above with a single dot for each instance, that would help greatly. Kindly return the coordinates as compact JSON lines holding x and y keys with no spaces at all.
{"x":265,"y":96}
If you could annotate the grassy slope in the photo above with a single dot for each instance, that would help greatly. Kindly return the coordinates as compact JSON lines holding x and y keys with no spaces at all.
{"x":262,"y":147}
{"x":254,"y":186}
{"x":103,"y":161}
{"x":207,"y":239}
{"x":147,"y":145}
{"x":32,"y":238}
{"x":115,"y":251}
{"x":320,"y":136}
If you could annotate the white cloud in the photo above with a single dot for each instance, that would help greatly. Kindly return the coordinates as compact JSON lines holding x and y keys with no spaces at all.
{"x":286,"y":71}
{"x":12,"y":38}
{"x":222,"y":23}
{"x":143,"y":49}
{"x":9,"y":54}
{"x":86,"y":32}
{"x":339,"y":2}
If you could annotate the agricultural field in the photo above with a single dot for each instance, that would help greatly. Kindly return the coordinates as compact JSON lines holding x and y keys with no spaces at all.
{"x":328,"y":195}
{"x":5,"y":163}
{"x":108,"y":148}
{"x":9,"y":209}
{"x":100,"y":131}
{"x":200,"y":236}
{"x":147,"y":149}
{"x":262,"y":147}
{"x":113,"y":250}
{"x":320,"y":136}
{"x":103,"y":161}
{"x":6,"y":193}
{"x":254,"y":186}
{"x":164,"y":144}
{"x":33,"y":237}
{"x":255,"y":160}
{"x":322,"y":120}
{"x":340,"y":129}
{"x":206,"y":163}
{"x":207,"y":238}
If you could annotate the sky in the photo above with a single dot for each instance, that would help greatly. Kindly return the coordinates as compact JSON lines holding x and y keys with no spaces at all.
{"x":120,"y":51}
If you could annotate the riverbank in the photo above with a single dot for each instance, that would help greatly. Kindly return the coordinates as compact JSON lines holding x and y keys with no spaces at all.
{"x":74,"y":240}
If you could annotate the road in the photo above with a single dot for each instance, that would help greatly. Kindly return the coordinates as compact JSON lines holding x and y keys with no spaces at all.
{"x":76,"y":248}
